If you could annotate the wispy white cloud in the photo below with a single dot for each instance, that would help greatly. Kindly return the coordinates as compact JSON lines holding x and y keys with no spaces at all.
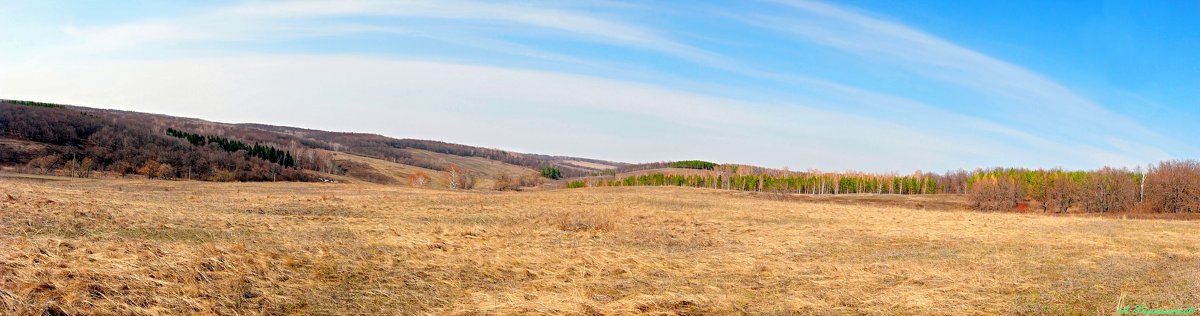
{"x":587,"y":26}
{"x":1031,"y":99}
{"x":240,"y":22}
{"x":558,"y":113}
{"x":624,"y":112}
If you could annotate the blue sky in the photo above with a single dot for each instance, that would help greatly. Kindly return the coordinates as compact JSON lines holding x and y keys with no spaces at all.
{"x":855,"y":85}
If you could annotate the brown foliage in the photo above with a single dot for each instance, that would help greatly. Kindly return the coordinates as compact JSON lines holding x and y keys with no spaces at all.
{"x":149,"y":169}
{"x":122,"y":142}
{"x":79,"y":169}
{"x":122,"y":168}
{"x":1060,"y":193}
{"x":44,"y":164}
{"x":995,"y":194}
{"x":531,"y":180}
{"x":506,"y":183}
{"x":1109,"y":190}
{"x":164,"y":171}
{"x":419,"y":179}
{"x":223,"y":176}
{"x":1174,"y":187}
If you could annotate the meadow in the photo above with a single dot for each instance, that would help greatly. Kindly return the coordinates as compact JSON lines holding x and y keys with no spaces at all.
{"x":146,"y":247}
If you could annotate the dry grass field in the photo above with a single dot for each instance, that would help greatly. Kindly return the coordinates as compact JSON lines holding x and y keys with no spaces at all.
{"x":137,"y":247}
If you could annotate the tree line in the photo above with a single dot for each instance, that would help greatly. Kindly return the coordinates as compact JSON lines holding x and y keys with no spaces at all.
{"x":1168,"y":187}
{"x":799,"y":183}
{"x":396,"y":150}
{"x":34,"y":103}
{"x":78,"y":141}
{"x":692,"y":164}
{"x":268,"y":153}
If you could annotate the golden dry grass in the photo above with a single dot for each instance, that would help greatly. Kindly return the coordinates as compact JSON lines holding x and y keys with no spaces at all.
{"x":167,"y":247}
{"x":485,"y":170}
{"x":391,"y":172}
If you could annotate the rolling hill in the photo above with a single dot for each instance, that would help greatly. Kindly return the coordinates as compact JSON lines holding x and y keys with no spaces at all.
{"x":40,"y":137}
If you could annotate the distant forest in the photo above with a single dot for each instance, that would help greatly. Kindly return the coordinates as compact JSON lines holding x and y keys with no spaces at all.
{"x":134,"y":143}
{"x":62,"y":138}
{"x":268,"y":153}
{"x":392,"y":149}
{"x":1168,"y":187}
{"x":74,"y":141}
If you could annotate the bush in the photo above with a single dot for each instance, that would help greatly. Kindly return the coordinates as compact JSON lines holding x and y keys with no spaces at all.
{"x":44,"y":164}
{"x":419,"y":179}
{"x":149,"y":169}
{"x":551,"y":172}
{"x":79,"y":169}
{"x":576,"y":184}
{"x":165,"y":171}
{"x":531,"y":180}
{"x":223,"y":176}
{"x":506,"y":183}
{"x":995,"y":194}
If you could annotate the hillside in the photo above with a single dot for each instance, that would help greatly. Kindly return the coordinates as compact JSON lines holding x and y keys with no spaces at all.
{"x":53,"y":138}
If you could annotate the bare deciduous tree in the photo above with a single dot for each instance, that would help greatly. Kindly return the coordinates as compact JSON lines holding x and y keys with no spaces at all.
{"x":995,"y":194}
{"x":44,"y":164}
{"x":457,"y":178}
{"x":1174,"y":187}
{"x":1061,"y":192}
{"x":149,"y":169}
{"x":1109,"y":190}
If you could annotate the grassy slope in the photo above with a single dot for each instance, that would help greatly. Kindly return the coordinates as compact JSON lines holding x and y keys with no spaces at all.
{"x":483,"y":166}
{"x":394,"y":173}
{"x":289,"y":137}
{"x":387,"y":172}
{"x":167,"y":247}
{"x":484,"y":169}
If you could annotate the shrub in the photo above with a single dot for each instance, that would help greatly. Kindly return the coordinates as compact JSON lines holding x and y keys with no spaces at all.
{"x":531,"y":180}
{"x":223,"y":176}
{"x":995,"y":194}
{"x":551,"y":172}
{"x":505,"y":183}
{"x":121,"y":168}
{"x":44,"y":164}
{"x":576,"y":184}
{"x":149,"y":168}
{"x":79,"y":169}
{"x":165,"y":171}
{"x":419,"y":179}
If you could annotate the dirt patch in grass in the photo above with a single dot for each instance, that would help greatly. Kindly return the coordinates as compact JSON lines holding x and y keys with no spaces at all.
{"x":306,"y":210}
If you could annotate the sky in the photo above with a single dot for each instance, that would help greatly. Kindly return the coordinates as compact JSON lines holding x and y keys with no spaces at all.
{"x":880,"y":86}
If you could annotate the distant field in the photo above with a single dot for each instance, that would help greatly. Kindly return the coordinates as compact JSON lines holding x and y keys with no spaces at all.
{"x":134,"y":247}
{"x":586,"y":164}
